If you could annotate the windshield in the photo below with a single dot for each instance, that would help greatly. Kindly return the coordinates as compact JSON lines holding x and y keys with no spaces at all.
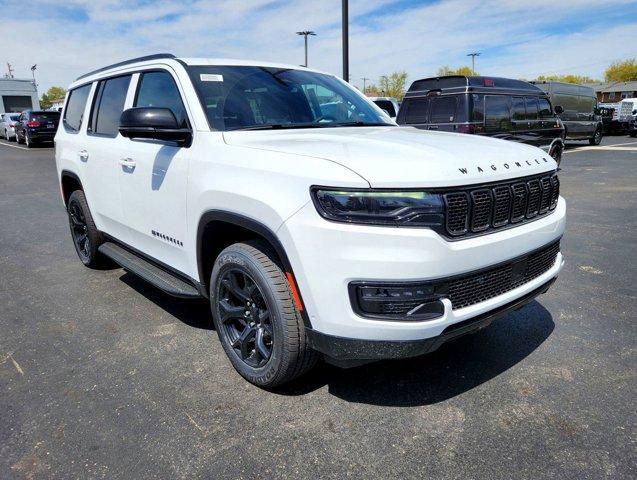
{"x":253,"y":98}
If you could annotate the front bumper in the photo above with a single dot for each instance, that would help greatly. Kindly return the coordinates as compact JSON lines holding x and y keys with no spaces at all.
{"x":350,"y":352}
{"x":327,"y":256}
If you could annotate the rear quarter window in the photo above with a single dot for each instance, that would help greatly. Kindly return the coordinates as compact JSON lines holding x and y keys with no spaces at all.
{"x":109,"y":105}
{"x":416,"y":110}
{"x":443,"y":110}
{"x":74,"y":110}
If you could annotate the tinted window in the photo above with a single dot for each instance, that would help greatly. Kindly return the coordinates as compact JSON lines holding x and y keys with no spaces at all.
{"x":46,"y":116}
{"x":158,"y":89}
{"x":110,"y":104}
{"x":545,"y":108}
{"x":477,"y":115}
{"x":75,"y":108}
{"x":518,"y":111}
{"x":386,"y":105}
{"x":238,"y":97}
{"x":496,"y":113}
{"x":532,"y":108}
{"x":443,"y":110}
{"x":416,"y":110}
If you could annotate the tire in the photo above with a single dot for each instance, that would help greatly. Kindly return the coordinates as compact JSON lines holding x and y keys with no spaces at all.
{"x":17,"y":137}
{"x":250,"y":299}
{"x":633,"y":134}
{"x":27,"y":141}
{"x":597,"y":138}
{"x":86,"y":237}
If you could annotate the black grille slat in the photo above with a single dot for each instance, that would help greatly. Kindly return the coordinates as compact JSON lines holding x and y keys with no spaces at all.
{"x":545,"y":202}
{"x":502,"y":205}
{"x":520,"y":200}
{"x":481,"y":209}
{"x":476,"y":210}
{"x":477,"y":287}
{"x":535,"y":197}
{"x":457,"y":212}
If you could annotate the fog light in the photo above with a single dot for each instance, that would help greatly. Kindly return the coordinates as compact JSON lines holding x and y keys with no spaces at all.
{"x":393,"y":302}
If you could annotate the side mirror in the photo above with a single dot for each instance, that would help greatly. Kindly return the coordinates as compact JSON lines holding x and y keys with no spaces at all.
{"x":155,"y":123}
{"x":634,"y":112}
{"x":558,"y":109}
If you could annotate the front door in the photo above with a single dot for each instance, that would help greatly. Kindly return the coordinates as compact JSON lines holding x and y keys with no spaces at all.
{"x":153,"y":178}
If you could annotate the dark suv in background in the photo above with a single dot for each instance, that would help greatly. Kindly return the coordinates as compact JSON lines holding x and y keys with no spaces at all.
{"x":34,"y":127}
{"x":498,"y":107}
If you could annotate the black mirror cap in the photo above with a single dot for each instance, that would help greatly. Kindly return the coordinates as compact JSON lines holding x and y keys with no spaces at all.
{"x":153,"y":122}
{"x":558,"y":109}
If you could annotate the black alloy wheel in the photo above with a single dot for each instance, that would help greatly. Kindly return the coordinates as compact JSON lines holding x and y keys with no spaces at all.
{"x":79,"y":231}
{"x":597,"y":138}
{"x":245,"y":318}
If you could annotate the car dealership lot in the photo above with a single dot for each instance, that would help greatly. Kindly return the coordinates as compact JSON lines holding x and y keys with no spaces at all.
{"x":104,"y":376}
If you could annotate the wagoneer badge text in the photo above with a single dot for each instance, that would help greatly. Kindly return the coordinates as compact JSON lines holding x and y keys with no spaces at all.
{"x":507,"y":166}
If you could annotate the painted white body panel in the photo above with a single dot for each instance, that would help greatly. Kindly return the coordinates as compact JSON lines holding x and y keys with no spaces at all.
{"x":266,"y":176}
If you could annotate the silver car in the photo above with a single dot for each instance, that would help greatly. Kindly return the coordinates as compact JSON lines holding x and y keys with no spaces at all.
{"x":7,"y":125}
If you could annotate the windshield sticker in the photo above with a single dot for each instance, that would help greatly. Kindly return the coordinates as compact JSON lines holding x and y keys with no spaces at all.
{"x":210,"y":77}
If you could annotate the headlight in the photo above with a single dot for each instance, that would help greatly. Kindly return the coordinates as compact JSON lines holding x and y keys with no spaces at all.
{"x":380,"y":207}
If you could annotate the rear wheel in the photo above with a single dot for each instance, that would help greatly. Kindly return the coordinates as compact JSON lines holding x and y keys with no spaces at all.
{"x":86,"y":237}
{"x":597,"y":138}
{"x":258,"y":323}
{"x":28,"y":141}
{"x":17,"y":137}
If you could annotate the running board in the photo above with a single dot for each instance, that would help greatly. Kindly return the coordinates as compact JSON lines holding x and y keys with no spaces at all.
{"x":160,"y":278}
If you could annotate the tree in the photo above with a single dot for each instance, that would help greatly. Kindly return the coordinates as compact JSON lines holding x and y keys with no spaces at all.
{"x":53,"y":93}
{"x":392,"y":85}
{"x":446,"y":71}
{"x":568,"y":78}
{"x":622,"y":71}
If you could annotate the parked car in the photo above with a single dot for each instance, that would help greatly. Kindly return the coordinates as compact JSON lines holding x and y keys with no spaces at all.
{"x":627,"y":110}
{"x":578,"y":104}
{"x":34,"y":127}
{"x":632,"y":125}
{"x":7,"y":125}
{"x":496,"y":107}
{"x":389,"y":104}
{"x":606,"y":113}
{"x":312,"y":232}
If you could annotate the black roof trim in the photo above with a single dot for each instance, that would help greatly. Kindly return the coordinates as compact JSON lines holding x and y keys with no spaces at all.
{"x":477,"y":83}
{"x":156,"y":56}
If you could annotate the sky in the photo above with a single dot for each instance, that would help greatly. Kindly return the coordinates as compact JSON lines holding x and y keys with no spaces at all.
{"x":519,"y":39}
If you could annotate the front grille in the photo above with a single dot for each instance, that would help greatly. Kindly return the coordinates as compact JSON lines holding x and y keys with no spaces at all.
{"x":474,"y":210}
{"x":473,"y":288}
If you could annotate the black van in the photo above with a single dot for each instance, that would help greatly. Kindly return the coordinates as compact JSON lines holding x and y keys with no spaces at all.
{"x":499,"y":107}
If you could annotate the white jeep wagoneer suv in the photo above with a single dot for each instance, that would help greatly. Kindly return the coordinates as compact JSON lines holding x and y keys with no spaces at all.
{"x":314,"y":224}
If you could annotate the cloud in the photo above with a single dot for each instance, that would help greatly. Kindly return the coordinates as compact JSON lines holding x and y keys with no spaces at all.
{"x":517,"y":39}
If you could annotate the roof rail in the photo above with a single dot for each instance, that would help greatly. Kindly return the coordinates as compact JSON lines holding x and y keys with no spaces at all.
{"x":126,"y":62}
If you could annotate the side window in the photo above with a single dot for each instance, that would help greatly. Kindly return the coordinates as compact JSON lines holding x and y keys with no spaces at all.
{"x":497,"y":117}
{"x":75,"y":108}
{"x":158,"y":89}
{"x":518,"y":111}
{"x":109,"y":105}
{"x":532,"y":108}
{"x":443,"y":109}
{"x":416,"y":110}
{"x":545,"y":109}
{"x":477,"y":113}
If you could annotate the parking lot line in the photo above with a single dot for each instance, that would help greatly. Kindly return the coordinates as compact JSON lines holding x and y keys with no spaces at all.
{"x":606,"y":147}
{"x":13,"y":146}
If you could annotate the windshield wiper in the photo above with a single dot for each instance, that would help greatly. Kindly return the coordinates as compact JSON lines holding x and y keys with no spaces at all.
{"x":281,"y":126}
{"x":361,"y":124}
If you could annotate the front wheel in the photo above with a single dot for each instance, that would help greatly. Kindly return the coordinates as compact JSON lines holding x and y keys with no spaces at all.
{"x":597,"y":138}
{"x":256,"y":318}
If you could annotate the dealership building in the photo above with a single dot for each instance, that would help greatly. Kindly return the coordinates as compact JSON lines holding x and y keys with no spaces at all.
{"x":17,"y":95}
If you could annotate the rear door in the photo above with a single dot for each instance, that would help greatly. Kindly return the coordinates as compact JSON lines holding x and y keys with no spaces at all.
{"x":497,"y":117}
{"x":101,"y":156}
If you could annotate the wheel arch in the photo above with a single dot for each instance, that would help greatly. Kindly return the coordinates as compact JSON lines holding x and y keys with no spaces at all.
{"x":69,"y":182}
{"x":218,"y":229}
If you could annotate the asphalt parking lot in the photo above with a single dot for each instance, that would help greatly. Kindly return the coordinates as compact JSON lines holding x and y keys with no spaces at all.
{"x":103,"y":376}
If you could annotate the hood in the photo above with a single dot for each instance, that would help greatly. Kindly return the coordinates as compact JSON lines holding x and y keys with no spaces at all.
{"x":405,"y":156}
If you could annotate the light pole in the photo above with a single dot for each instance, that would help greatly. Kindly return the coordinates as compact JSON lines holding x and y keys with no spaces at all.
{"x":473,"y":56}
{"x":33,"y":68}
{"x":364,"y":79}
{"x":305,"y":34}
{"x":345,"y":11}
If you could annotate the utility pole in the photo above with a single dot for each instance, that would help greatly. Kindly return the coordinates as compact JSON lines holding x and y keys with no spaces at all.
{"x":33,"y":68}
{"x":345,"y":12}
{"x":473,"y":56}
{"x":10,"y":69}
{"x":305,"y":34}
{"x":364,"y":79}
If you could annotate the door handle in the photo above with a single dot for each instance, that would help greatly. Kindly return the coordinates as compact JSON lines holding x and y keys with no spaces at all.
{"x":83,"y":154}
{"x":127,"y":162}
